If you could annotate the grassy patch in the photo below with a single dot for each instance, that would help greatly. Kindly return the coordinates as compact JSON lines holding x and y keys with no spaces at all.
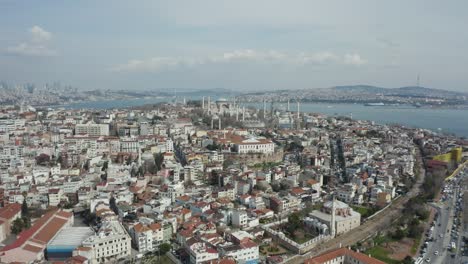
{"x":381,"y":253}
{"x":304,"y":239}
{"x":266,"y":165}
{"x":272,"y":250}
{"x":378,"y":240}
{"x":415,"y":246}
{"x":364,"y":211}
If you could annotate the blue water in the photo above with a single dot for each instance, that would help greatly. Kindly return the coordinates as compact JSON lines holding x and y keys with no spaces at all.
{"x":453,"y":121}
{"x":440,"y":120}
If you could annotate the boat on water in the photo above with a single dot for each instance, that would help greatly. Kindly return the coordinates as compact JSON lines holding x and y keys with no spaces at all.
{"x":374,"y":104}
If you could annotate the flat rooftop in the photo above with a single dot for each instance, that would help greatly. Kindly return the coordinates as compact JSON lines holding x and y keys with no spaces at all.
{"x":71,"y":236}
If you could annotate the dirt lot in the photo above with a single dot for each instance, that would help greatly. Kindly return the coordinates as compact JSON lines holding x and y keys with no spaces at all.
{"x":400,"y":249}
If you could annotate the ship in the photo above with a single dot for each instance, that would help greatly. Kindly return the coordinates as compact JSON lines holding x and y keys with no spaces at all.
{"x":374,"y":104}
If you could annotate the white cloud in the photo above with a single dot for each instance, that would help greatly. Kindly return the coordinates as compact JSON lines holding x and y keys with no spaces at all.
{"x":249,"y":54}
{"x":354,"y":59}
{"x":320,"y":57}
{"x":39,"y":35}
{"x":37,"y":45}
{"x":157,"y":64}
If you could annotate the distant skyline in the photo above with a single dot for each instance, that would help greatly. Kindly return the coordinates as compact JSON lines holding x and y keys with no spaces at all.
{"x":242,"y":45}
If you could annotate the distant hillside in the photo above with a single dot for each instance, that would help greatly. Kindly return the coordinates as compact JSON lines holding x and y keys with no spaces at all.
{"x":364,"y":94}
{"x":401,"y":91}
{"x":209,"y":92}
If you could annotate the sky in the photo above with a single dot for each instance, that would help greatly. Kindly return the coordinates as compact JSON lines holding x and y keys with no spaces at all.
{"x":244,"y":45}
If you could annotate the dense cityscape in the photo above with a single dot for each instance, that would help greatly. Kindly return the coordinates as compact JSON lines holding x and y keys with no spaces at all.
{"x":210,"y":181}
{"x":233,"y":132}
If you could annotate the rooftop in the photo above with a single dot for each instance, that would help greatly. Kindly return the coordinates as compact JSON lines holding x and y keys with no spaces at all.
{"x":71,"y":236}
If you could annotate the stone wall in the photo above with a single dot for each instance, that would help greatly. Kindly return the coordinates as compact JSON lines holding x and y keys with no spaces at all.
{"x":290,"y":244}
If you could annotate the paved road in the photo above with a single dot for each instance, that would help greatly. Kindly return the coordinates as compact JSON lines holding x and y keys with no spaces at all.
{"x":439,"y":244}
{"x":447,"y":226}
{"x":370,"y":227}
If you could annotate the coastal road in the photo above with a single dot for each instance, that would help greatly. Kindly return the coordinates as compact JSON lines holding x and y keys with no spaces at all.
{"x":379,"y":222}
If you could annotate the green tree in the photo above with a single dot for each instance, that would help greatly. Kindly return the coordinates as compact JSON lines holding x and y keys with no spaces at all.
{"x":17,"y":226}
{"x":399,"y":234}
{"x":105,"y":166}
{"x":214,"y":176}
{"x":24,"y":209}
{"x":158,"y":160}
{"x":213,"y":146}
{"x":164,"y":248}
{"x":113,"y":205}
{"x":408,"y":260}
{"x":68,"y":205}
{"x":294,"y":222}
{"x":26,"y":222}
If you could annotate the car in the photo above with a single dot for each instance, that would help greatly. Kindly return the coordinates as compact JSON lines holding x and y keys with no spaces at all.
{"x":436,"y":253}
{"x":441,"y":236}
{"x":428,"y":260}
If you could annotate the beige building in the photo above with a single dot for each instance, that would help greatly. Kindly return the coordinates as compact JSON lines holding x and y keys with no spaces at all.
{"x":8,"y":214}
{"x":345,"y":217}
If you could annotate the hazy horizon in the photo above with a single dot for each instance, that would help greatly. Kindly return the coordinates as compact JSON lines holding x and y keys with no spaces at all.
{"x":240,"y":45}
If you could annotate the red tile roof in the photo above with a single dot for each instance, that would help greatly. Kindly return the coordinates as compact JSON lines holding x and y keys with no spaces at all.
{"x":42,"y":231}
{"x":331,"y":255}
{"x":32,"y":248}
{"x":49,"y":230}
{"x":10,"y":210}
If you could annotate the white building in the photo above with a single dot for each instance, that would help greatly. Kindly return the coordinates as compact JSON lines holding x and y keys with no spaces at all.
{"x":129,"y":145}
{"x":254,"y":145}
{"x":201,"y":252}
{"x":110,"y":243}
{"x":245,"y":252}
{"x":240,"y":218}
{"x":147,"y":237}
{"x":173,"y":191}
{"x":92,"y":129}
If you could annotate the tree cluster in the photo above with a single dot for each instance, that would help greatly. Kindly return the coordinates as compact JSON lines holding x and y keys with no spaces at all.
{"x":23,"y":222}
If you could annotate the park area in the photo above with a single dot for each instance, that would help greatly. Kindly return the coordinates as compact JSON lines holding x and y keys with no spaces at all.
{"x":392,"y":251}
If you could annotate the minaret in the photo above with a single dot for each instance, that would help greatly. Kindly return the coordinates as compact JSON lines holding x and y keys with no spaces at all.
{"x":237,"y":113}
{"x":203,"y":103}
{"x":288,"y":105}
{"x":264,"y":108}
{"x":139,"y":156}
{"x":332,"y":220}
{"x":219,"y":123}
{"x":243,"y":113}
{"x":298,"y":109}
{"x":209,"y":103}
